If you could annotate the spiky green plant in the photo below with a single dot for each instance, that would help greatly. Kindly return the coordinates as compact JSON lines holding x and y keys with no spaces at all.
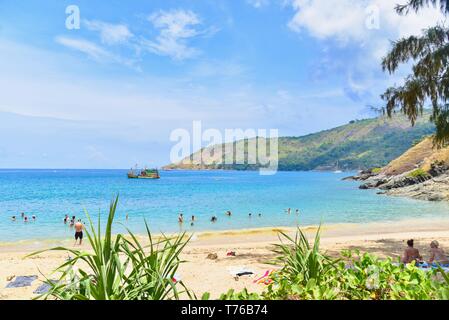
{"x":300,"y":259}
{"x":117,"y":268}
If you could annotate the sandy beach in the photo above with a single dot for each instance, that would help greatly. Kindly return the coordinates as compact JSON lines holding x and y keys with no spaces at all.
{"x":253,"y":251}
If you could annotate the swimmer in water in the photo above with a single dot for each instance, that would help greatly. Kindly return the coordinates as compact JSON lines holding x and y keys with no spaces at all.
{"x":13,"y":218}
{"x":214,"y":219}
{"x":181,"y":218}
{"x":228,"y":213}
{"x":250,"y":215}
{"x":34,"y":217}
{"x":23,"y":214}
{"x":297,"y":211}
{"x":66,"y":218}
{"x":25,"y":219}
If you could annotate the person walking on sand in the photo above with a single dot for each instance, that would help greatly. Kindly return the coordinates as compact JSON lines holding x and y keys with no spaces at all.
{"x":79,"y":227}
{"x":437,"y":254}
{"x":411,"y":254}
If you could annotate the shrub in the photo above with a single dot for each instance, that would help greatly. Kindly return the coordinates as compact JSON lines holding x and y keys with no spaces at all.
{"x":119,"y":269}
{"x":376,"y":170}
{"x":418,"y":173}
{"x":354,"y":277}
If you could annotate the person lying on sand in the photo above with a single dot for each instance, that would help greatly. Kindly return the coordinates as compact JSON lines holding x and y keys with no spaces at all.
{"x":437,"y":254}
{"x":79,"y":232}
{"x":411,"y":254}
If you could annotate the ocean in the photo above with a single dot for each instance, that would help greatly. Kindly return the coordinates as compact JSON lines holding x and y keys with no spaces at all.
{"x":321,"y":197}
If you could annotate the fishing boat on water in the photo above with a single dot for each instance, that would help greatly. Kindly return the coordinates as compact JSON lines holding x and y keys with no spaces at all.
{"x":143,"y":174}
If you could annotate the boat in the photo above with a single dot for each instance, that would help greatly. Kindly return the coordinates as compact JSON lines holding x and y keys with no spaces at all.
{"x":338,"y":169}
{"x":144,"y":174}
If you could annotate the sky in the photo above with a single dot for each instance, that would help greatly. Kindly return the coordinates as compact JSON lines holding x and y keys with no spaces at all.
{"x":109,"y":93}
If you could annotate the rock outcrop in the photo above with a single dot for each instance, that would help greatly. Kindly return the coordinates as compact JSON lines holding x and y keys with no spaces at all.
{"x":420,"y":173}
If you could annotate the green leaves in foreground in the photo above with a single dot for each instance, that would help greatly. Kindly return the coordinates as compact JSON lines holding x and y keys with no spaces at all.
{"x":307,"y":274}
{"x":119,"y":268}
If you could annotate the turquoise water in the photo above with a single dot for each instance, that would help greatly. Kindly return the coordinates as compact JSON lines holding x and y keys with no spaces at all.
{"x":50,"y":194}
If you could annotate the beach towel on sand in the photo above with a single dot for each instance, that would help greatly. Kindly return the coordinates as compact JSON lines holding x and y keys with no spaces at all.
{"x":265,"y":279}
{"x":44,"y":288}
{"x":22,"y":281}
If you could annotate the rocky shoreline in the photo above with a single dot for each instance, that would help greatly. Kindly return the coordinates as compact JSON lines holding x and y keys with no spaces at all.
{"x":432,"y":185}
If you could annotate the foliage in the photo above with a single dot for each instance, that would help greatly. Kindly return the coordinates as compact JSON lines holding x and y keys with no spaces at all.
{"x":416,"y":5}
{"x":376,"y":170}
{"x":354,"y":277}
{"x":429,"y":80}
{"x":120,"y":268}
{"x":418,"y":173}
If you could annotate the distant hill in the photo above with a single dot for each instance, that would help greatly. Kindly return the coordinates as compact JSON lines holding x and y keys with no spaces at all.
{"x":361,"y":144}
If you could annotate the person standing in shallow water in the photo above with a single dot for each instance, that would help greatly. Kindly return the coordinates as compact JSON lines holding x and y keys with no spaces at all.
{"x":79,"y":227}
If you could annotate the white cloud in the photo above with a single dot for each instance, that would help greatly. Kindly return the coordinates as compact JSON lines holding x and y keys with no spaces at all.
{"x":91,"y":49}
{"x":258,"y":3}
{"x":110,"y":33}
{"x":175,"y":27}
{"x":345,"y":26}
{"x":94,"y":51}
{"x":346,"y":20}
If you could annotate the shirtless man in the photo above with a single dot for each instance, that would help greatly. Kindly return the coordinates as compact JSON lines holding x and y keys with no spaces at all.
{"x":79,"y":232}
{"x":411,"y":254}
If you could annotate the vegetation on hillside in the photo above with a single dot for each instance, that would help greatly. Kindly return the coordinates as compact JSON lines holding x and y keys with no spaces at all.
{"x":361,"y":144}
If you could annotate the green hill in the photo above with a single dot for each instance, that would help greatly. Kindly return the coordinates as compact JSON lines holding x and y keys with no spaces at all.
{"x":361,"y":144}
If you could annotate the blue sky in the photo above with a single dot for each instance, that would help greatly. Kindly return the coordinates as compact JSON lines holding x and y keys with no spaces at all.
{"x":108,"y":95}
